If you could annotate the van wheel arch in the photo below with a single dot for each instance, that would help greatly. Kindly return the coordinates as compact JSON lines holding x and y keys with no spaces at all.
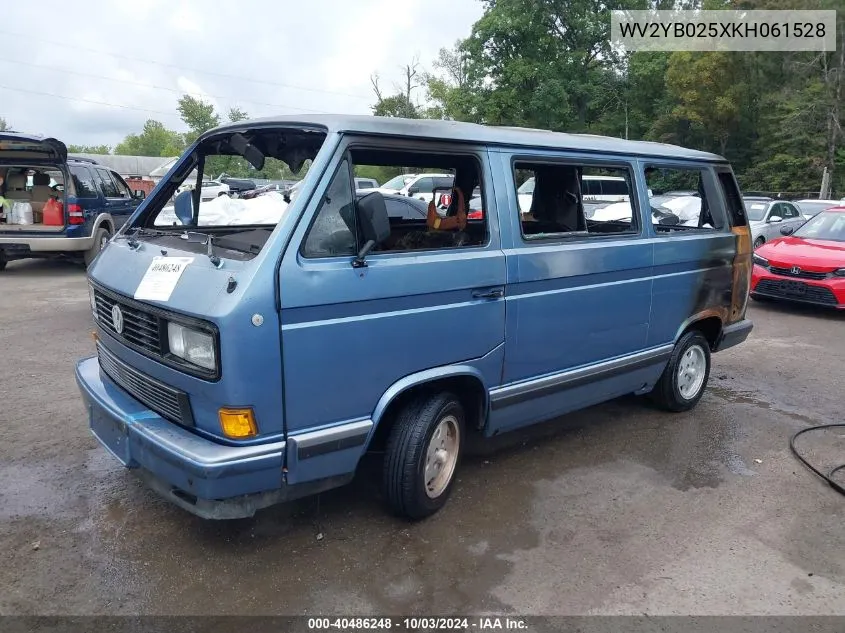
{"x":709,"y":326}
{"x":469,"y":389}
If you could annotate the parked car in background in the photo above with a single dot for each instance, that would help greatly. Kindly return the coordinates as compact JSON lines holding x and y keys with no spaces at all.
{"x":209,"y":190}
{"x":767,"y":217}
{"x":680,"y":193}
{"x":366,"y":183}
{"x":595,"y":191}
{"x":72,"y":207}
{"x":807,"y":265}
{"x":421,"y":186}
{"x":237,"y":185}
{"x":811,"y":207}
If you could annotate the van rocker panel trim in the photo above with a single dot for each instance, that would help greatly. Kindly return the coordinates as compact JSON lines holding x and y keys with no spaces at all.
{"x":538,"y":387}
{"x":335,"y":438}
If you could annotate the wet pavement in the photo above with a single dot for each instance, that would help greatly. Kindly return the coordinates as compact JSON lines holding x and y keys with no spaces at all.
{"x":616,"y":509}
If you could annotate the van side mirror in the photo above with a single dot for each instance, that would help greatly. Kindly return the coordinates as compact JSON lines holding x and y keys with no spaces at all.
{"x":183,"y":206}
{"x":373,"y":223}
{"x":139,"y":194}
{"x":787,"y":230}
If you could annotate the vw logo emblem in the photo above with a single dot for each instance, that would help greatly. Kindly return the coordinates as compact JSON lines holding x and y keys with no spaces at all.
{"x":117,"y":319}
{"x":795,"y":270}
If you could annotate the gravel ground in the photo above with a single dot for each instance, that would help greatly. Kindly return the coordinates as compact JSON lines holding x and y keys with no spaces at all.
{"x":619,"y":509}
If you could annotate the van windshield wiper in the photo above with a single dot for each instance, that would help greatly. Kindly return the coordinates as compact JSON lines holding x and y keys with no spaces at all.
{"x":215,"y":259}
{"x":131,"y":236}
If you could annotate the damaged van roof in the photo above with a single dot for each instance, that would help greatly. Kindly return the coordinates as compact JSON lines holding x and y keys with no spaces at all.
{"x":456,"y":131}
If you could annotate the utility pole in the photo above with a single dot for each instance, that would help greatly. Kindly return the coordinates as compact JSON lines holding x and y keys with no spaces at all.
{"x":824,"y":193}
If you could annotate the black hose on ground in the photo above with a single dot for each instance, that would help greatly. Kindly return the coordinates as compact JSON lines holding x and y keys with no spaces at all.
{"x":840,"y":488}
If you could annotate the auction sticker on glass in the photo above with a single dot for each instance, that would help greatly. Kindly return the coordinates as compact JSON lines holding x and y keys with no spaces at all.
{"x":770,"y":30}
{"x":161,"y":278}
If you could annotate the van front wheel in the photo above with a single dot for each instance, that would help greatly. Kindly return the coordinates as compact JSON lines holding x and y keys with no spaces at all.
{"x":685,"y":377}
{"x":422,"y":455}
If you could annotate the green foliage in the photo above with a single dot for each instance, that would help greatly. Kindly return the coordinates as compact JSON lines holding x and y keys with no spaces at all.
{"x":89,"y":149}
{"x":4,"y":126}
{"x":198,"y":115}
{"x":154,"y":140}
{"x":397,"y":106}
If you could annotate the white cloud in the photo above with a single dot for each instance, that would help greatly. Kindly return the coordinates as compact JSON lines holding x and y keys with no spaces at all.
{"x":314,"y":56}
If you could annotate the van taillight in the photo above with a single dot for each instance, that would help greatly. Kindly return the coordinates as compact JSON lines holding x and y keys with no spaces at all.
{"x":74,"y":214}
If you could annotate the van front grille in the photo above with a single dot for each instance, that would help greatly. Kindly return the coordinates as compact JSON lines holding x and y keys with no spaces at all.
{"x":139,"y":328}
{"x":168,"y":402}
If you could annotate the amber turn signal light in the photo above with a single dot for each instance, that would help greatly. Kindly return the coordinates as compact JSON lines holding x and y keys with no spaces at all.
{"x":238,"y":424}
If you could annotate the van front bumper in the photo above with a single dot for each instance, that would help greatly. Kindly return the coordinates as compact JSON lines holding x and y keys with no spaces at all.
{"x":734,"y":334}
{"x":208,"y":479}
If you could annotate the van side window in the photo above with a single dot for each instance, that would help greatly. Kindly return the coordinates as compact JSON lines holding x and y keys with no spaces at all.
{"x":561,"y":199}
{"x":333,"y":231}
{"x":680,"y":197}
{"x":446,"y":202}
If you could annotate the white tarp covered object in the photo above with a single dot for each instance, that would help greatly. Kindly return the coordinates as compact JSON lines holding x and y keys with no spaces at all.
{"x":267,"y":208}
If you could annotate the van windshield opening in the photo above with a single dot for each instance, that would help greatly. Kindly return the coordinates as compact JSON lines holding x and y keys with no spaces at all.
{"x":233,"y":183}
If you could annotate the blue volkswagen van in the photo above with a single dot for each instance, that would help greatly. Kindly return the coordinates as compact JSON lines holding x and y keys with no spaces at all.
{"x":249,"y":352}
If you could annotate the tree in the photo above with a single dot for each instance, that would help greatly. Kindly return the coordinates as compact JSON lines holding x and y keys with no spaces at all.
{"x":89,"y":149}
{"x":4,"y":126}
{"x":449,"y":88}
{"x":236,"y":114}
{"x":401,"y":103}
{"x":198,"y":115}
{"x":154,"y":140}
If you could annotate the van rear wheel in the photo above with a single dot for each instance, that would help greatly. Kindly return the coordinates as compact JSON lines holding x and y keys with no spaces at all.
{"x":422,"y":455}
{"x":686,"y":374}
{"x":101,"y":238}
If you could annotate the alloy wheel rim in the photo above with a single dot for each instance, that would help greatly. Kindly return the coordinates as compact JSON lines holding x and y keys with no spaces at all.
{"x":691,"y":372}
{"x":441,"y":456}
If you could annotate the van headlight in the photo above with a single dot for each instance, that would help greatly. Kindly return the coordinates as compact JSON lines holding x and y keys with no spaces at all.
{"x":191,"y":345}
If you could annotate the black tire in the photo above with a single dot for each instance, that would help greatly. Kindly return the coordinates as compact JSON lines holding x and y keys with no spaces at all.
{"x":407,"y":448}
{"x":667,"y":393}
{"x":101,"y":237}
{"x":3,"y":261}
{"x":759,"y":242}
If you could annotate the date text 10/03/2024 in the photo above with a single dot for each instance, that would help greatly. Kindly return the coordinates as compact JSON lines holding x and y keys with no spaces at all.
{"x":480,"y":623}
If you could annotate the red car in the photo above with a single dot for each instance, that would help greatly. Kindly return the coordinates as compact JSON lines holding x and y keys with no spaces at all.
{"x":806,"y":266}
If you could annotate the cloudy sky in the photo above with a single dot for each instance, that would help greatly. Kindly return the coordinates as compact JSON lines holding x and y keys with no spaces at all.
{"x":61,"y":63}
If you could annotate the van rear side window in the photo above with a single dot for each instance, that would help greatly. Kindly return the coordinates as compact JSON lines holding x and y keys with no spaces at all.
{"x":561,"y":200}
{"x":685,"y":194}
{"x":736,"y":209}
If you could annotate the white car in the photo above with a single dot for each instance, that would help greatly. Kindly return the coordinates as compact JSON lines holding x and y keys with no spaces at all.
{"x":767,"y":218}
{"x":812,"y":207}
{"x":210,"y":189}
{"x":420,"y":186}
{"x":593,"y":189}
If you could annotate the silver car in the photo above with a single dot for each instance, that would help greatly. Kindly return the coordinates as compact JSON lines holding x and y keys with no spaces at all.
{"x":770,"y":219}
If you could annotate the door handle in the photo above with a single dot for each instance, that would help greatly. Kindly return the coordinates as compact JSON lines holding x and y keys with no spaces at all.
{"x":494,"y":293}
